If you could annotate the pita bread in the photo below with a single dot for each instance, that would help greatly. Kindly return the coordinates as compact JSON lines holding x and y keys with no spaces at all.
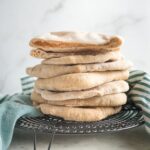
{"x":105,"y":101}
{"x":39,"y":53}
{"x":48,"y":71}
{"x":80,"y":81}
{"x":75,"y":42}
{"x":79,"y":114}
{"x":84,"y":59}
{"x":105,"y":89}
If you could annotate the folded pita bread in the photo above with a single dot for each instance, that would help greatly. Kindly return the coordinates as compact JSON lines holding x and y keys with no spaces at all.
{"x":84,"y":59}
{"x":80,"y":81}
{"x":39,"y":53}
{"x":48,"y":71}
{"x":79,"y":114}
{"x":75,"y":42}
{"x":105,"y":89}
{"x":105,"y":101}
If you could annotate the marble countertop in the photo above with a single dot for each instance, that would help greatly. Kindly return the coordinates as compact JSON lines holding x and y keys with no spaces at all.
{"x":22,"y":19}
{"x":133,"y":139}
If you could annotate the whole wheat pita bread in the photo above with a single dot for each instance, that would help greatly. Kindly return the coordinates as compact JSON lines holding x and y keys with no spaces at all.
{"x":48,"y":71}
{"x":111,"y":100}
{"x":80,"y":81}
{"x":39,"y":53}
{"x":75,"y":41}
{"x":79,"y":114}
{"x":113,"y":87}
{"x":84,"y":59}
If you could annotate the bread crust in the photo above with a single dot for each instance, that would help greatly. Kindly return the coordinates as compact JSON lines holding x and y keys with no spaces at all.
{"x":79,"y":114}
{"x":105,"y":89}
{"x":80,"y":81}
{"x":75,"y":42}
{"x":48,"y":71}
{"x":110,"y":100}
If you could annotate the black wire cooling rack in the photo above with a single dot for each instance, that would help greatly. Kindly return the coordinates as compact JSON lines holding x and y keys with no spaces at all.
{"x":130,"y":116}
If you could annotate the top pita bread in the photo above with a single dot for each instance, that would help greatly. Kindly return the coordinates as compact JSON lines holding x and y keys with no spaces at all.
{"x":75,"y":42}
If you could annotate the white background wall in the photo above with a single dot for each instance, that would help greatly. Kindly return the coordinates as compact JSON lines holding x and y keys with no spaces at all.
{"x":22,"y":19}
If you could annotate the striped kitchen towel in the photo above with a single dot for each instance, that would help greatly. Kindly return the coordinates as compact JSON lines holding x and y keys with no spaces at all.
{"x":139,"y":92}
{"x":27,"y":84}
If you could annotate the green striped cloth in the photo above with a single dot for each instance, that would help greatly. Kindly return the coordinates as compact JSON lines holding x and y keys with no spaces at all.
{"x":27,"y":84}
{"x":139,"y":92}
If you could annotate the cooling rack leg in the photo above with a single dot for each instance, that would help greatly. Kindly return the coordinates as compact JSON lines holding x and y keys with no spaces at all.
{"x":34,"y":140}
{"x":51,"y":140}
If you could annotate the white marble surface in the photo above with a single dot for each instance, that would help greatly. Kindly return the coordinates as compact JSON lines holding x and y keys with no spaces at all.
{"x":22,"y":19}
{"x":133,"y":139}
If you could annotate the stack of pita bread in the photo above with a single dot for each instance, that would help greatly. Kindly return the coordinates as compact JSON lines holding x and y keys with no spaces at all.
{"x":81,"y":77}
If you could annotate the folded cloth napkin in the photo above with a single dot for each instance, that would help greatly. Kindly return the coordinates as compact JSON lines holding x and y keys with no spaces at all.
{"x":17,"y":105}
{"x":12,"y":108}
